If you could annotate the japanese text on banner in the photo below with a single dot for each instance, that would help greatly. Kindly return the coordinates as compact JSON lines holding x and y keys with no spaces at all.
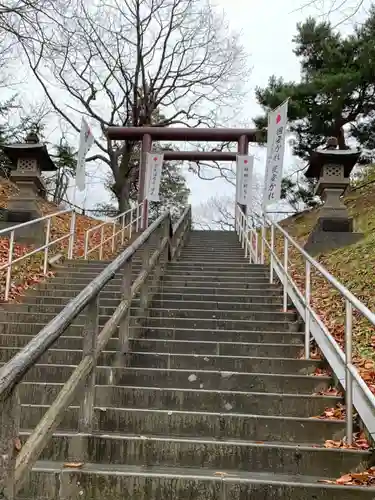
{"x":244,"y":179}
{"x":153,"y":175}
{"x":275,"y":154}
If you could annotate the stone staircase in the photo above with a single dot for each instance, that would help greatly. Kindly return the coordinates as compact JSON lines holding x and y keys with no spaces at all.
{"x":214,"y":403}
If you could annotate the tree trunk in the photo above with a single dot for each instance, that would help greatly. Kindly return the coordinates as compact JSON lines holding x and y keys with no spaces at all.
{"x":122,"y":195}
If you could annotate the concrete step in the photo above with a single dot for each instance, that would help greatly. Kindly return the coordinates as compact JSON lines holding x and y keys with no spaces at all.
{"x":253,"y":358}
{"x":212,"y":380}
{"x":209,"y":288}
{"x":219,"y":278}
{"x":215,"y":348}
{"x":219,"y":324}
{"x":217,"y":305}
{"x":173,"y":269}
{"x":241,"y":362}
{"x":60,"y":287}
{"x":222,"y":266}
{"x":212,"y":301}
{"x":164,"y":333}
{"x":213,"y":271}
{"x":18,"y":335}
{"x":68,"y":290}
{"x":171,"y":282}
{"x":34,"y":391}
{"x":190,"y":300}
{"x":59,"y":356}
{"x":65,"y":342}
{"x":15,"y":328}
{"x":84,"y":279}
{"x":196,"y":424}
{"x":240,"y":280}
{"x":272,"y":314}
{"x":117,"y":482}
{"x":221,"y":380}
{"x":178,"y":322}
{"x":203,"y":307}
{"x":230,"y":455}
{"x":213,"y":257}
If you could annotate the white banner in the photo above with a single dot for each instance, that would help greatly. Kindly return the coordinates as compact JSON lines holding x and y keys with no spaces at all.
{"x":153,"y":175}
{"x":86,"y":140}
{"x":277,"y":121}
{"x":244,"y":179}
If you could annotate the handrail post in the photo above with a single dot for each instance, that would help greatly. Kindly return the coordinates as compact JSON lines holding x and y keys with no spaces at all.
{"x":72,"y":234}
{"x":256,"y":247}
{"x":246,"y":241}
{"x":130,"y":224}
{"x":113,"y":236}
{"x":48,"y":233}
{"x":348,"y":375}
{"x":10,"y":411}
{"x":137,"y":218}
{"x":144,"y":293}
{"x":307,"y":308}
{"x":90,"y":335}
{"x":243,"y":227}
{"x":262,"y":245}
{"x":272,"y":251}
{"x":124,"y":331}
{"x":86,"y":244}
{"x":285,"y":291}
{"x":9,"y":269}
{"x":101,"y":243}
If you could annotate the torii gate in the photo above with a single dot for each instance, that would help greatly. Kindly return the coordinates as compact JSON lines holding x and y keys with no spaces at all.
{"x":149,"y":134}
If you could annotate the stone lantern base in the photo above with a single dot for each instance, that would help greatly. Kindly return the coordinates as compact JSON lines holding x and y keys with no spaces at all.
{"x":331,"y":233}
{"x":23,"y":207}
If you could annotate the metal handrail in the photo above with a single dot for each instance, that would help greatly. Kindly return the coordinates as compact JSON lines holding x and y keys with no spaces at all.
{"x":94,"y":343}
{"x":351,"y":301}
{"x":45,"y":247}
{"x":18,"y":366}
{"x":121,"y":218}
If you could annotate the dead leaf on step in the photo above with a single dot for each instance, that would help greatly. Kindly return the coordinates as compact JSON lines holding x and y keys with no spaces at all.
{"x":220,"y":474}
{"x":332,"y":444}
{"x":73,"y":465}
{"x":360,"y":476}
{"x":17,"y":444}
{"x":345,"y":479}
{"x":331,"y":391}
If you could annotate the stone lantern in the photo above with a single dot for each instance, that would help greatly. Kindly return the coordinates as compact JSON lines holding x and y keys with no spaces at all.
{"x":29,"y":160}
{"x":332,"y":168}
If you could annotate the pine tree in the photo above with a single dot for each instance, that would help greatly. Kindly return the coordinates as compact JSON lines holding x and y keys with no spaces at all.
{"x":336,"y":94}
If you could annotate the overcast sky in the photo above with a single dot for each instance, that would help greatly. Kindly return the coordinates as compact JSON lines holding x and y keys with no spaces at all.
{"x":267,"y":28}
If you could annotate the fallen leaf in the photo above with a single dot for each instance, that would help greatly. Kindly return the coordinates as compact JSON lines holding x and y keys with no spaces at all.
{"x":345,"y":479}
{"x":330,"y":443}
{"x":360,"y":476}
{"x":74,"y":465}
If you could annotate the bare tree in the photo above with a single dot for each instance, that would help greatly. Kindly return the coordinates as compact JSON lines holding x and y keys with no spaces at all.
{"x":215,"y":213}
{"x":343,"y":10}
{"x":218,"y":212}
{"x":119,"y":61}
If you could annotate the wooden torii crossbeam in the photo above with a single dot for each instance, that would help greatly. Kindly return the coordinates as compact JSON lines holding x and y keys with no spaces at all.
{"x":149,"y":134}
